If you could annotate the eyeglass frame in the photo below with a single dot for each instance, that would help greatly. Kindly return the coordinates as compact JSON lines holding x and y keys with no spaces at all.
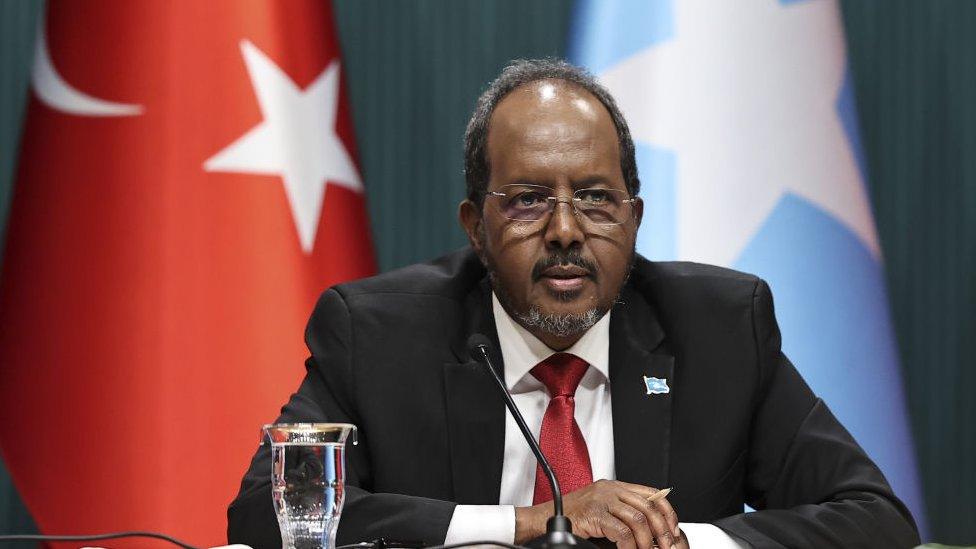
{"x":556,"y":200}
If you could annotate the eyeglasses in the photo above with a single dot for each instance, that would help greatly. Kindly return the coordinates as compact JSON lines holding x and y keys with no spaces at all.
{"x":533,"y":202}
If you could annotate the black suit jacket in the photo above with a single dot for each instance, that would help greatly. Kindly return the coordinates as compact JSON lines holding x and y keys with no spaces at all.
{"x":739,"y":424}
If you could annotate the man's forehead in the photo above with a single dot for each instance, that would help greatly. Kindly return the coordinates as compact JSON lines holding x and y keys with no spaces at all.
{"x":550,"y":97}
{"x":552,"y":123}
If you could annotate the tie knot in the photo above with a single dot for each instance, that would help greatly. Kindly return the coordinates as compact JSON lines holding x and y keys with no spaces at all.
{"x":561,"y":373}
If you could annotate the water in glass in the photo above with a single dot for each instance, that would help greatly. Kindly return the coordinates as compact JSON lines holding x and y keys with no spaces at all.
{"x":307,"y":483}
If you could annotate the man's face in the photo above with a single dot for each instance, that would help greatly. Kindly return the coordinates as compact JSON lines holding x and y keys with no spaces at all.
{"x":562,"y":266}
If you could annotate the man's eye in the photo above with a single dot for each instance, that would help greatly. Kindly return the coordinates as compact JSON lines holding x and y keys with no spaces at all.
{"x":527,"y":199}
{"x":595,"y":196}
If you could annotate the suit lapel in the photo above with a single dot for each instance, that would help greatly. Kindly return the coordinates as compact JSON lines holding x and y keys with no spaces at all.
{"x":475,"y":410}
{"x":641,"y":421}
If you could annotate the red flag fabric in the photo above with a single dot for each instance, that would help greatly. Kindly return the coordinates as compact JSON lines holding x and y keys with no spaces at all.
{"x":187,"y":186}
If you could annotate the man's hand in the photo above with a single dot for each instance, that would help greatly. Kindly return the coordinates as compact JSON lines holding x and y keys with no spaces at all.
{"x":618,"y":511}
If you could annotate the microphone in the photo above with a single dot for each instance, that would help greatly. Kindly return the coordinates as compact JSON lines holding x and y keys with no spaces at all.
{"x":559,"y":530}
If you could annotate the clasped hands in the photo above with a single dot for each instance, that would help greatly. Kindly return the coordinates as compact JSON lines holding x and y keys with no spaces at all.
{"x":618,"y":511}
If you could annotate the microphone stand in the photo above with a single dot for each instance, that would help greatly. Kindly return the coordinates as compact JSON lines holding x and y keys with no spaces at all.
{"x":559,"y":529}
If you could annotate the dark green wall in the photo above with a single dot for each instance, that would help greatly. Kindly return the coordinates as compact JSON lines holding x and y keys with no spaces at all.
{"x":17,"y":20}
{"x":414,"y":69}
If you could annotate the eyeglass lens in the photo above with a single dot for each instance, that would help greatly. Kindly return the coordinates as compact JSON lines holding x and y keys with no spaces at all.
{"x":531,"y":203}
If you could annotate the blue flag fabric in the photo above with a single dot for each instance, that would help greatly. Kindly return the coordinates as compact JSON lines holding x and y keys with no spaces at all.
{"x":745,"y":129}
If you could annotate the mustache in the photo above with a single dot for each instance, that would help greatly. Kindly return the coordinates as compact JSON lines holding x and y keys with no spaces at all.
{"x":567,"y":257}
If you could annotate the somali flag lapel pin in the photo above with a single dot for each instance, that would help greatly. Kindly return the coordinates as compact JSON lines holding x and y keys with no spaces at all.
{"x":656,"y":385}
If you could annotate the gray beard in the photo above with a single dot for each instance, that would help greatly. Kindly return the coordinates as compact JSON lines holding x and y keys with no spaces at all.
{"x":559,"y":325}
{"x":566,"y":325}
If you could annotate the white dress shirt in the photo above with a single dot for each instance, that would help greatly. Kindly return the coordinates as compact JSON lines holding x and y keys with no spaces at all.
{"x":521,"y":351}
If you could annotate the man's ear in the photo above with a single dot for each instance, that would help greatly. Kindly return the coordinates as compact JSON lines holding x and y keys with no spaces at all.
{"x":469,"y":215}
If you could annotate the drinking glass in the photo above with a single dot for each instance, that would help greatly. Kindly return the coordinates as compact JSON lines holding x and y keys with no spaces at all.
{"x":307,"y":481}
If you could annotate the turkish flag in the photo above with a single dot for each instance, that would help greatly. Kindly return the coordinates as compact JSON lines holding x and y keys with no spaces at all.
{"x":187,"y":187}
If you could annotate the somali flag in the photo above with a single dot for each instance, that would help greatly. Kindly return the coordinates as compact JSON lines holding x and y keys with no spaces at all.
{"x":743,"y":118}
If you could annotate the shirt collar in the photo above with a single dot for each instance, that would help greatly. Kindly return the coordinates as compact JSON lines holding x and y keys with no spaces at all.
{"x":521,"y":350}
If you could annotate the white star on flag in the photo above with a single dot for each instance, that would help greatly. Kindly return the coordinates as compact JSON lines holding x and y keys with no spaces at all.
{"x":747,"y":123}
{"x":297,"y":140}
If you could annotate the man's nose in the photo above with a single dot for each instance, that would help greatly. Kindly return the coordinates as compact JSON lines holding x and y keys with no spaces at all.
{"x":564,"y":229}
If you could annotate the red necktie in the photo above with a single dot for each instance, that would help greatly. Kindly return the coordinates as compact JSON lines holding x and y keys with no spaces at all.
{"x":561,"y":439}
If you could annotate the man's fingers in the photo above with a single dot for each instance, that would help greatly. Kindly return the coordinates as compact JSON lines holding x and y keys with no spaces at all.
{"x":660,"y":528}
{"x":618,"y":532}
{"x":664,"y":507}
{"x":645,"y":491}
{"x":622,"y":513}
{"x":661,"y":503}
{"x":636,"y":520}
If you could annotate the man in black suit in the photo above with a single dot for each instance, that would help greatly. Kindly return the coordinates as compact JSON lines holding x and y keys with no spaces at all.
{"x":702,"y":398}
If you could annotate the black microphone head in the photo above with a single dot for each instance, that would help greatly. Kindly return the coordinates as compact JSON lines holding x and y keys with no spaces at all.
{"x":477,"y":342}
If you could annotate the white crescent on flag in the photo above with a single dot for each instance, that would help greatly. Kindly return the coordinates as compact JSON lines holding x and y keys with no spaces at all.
{"x":58,"y":94}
